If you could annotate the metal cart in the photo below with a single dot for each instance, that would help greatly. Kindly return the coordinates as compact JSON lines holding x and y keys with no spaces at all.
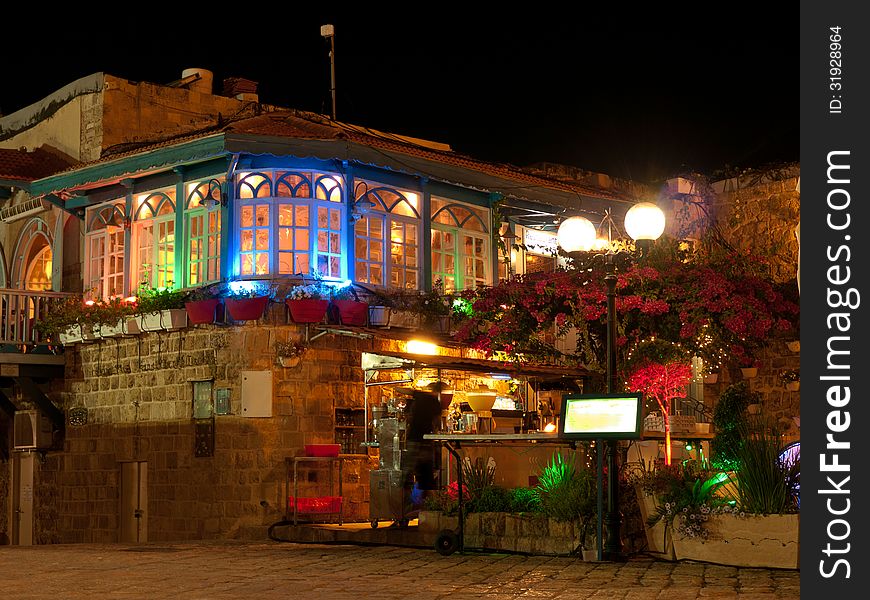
{"x":389,"y":499}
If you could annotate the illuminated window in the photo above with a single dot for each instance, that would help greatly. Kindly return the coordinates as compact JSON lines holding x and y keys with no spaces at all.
{"x":104,"y":268}
{"x":292,"y":226}
{"x":38,"y":275}
{"x":154,"y":240}
{"x":460,"y":245}
{"x":203,"y":232}
{"x":396,"y":212}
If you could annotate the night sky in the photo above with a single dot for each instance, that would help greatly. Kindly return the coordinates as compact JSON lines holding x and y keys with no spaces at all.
{"x":639,"y":93}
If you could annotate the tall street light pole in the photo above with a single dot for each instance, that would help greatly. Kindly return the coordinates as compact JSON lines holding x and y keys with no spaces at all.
{"x":644,"y":222}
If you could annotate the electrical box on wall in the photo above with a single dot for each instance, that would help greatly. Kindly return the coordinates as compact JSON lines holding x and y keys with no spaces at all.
{"x":31,"y":430}
{"x":256,"y":393}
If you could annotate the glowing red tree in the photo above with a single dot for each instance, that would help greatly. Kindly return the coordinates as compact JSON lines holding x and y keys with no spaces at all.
{"x":663,"y":382}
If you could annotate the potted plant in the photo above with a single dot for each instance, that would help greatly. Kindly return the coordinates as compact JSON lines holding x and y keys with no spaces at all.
{"x":351,"y":310}
{"x":749,"y":368}
{"x":307,"y":303}
{"x":66,"y":322}
{"x":794,"y":346}
{"x":289,"y":353}
{"x":729,"y":418}
{"x":792,"y":379}
{"x":248,"y":302}
{"x":435,"y":308}
{"x":161,"y":309}
{"x":201,"y":304}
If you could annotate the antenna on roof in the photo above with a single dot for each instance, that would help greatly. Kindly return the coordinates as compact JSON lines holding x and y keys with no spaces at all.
{"x":328,"y":31}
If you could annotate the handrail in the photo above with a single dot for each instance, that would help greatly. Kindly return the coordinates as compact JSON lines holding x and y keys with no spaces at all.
{"x":21,"y":310}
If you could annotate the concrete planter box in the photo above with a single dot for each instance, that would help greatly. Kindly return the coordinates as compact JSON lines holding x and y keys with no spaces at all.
{"x":659,"y":541}
{"x":765,"y":541}
{"x":115,"y":330}
{"x":533,"y":534}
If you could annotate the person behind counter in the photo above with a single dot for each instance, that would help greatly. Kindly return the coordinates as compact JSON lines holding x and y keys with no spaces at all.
{"x":423,"y":414}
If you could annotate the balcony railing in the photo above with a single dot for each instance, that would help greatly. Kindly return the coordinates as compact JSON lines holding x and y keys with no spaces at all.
{"x":21,"y":310}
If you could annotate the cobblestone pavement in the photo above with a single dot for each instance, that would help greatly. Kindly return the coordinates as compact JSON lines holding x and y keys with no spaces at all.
{"x":264,"y":570}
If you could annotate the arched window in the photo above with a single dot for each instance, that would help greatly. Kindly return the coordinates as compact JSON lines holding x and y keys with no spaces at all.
{"x":460,"y":245}
{"x":154,"y":240}
{"x":298,"y":230}
{"x":38,"y":275}
{"x":387,"y":237}
{"x":104,"y":269}
{"x":203,"y":222}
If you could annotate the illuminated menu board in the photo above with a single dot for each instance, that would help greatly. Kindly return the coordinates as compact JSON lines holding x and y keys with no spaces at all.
{"x":591,"y":416}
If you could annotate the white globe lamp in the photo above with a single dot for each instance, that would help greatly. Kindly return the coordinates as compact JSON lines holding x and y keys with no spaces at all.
{"x":576,"y":234}
{"x":645,"y":221}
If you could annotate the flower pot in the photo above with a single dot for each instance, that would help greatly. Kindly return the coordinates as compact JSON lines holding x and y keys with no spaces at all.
{"x":379,"y":316}
{"x":794,"y":346}
{"x":288,"y":362}
{"x":307,"y":310}
{"x":590,"y":555}
{"x":749,"y":372}
{"x":352,"y":312}
{"x":711,"y":378}
{"x":89,"y":333}
{"x":753,"y":409}
{"x":202,"y":311}
{"x":445,"y":324}
{"x":131,"y":325}
{"x":793,"y":386}
{"x":72,"y":335}
{"x":246,"y":309}
{"x":164,"y":320}
{"x":659,"y":541}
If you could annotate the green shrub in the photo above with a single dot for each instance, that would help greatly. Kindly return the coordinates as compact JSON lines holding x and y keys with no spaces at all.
{"x":565,"y":492}
{"x":729,"y":418}
{"x":478,"y":475}
{"x":491,"y":499}
{"x":764,"y":484}
{"x":524,"y":500}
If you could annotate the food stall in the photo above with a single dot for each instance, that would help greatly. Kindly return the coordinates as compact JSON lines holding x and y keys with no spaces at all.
{"x":477,"y":397}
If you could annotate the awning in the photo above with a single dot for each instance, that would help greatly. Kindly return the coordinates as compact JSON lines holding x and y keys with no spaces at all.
{"x":479,"y":365}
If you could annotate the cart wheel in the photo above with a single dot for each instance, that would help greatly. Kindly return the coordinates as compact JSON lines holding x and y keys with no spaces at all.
{"x":402,"y":523}
{"x":374,"y":523}
{"x":447,"y":542}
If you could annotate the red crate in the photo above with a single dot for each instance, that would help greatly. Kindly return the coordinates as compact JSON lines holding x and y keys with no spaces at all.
{"x":316,"y":504}
{"x":322,"y":449}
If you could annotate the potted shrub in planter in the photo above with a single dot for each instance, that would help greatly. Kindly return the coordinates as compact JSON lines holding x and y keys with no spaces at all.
{"x":289,"y":353}
{"x":729,"y":418}
{"x":351,"y":310}
{"x":161,"y":310}
{"x":307,"y":303}
{"x":66,"y":322}
{"x":791,"y":379}
{"x":248,"y":303}
{"x":393,"y":308}
{"x":749,"y":368}
{"x":435,"y":309}
{"x":202,"y":303}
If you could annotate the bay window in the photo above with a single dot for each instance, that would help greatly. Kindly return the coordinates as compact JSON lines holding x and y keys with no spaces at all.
{"x":104,"y":243}
{"x":290,"y":223}
{"x":393,"y":213}
{"x":460,"y":245}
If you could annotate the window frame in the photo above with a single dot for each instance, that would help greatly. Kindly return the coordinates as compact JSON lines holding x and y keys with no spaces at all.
{"x":207,"y":206}
{"x":458,"y":231}
{"x":105,"y":234}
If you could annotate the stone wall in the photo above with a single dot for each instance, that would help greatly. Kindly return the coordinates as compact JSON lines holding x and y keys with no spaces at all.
{"x":139,"y":400}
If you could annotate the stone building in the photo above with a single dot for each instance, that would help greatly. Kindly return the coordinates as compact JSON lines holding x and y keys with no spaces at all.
{"x":185,"y":434}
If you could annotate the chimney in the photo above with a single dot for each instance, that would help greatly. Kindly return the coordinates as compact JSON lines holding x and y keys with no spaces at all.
{"x":204,"y":84}
{"x":240,"y":89}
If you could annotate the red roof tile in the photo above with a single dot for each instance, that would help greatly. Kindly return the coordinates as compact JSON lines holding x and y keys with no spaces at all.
{"x":29,"y":166}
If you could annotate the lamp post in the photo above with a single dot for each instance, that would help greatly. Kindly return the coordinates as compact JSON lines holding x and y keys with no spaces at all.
{"x":645,"y":223}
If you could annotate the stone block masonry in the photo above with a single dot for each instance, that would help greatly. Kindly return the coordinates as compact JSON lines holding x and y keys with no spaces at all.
{"x":138,"y":393}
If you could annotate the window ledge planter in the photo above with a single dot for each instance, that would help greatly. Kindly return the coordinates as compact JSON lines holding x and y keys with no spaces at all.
{"x":115,"y":330}
{"x":246,"y":309}
{"x":307,"y":310}
{"x":352,"y":312}
{"x":164,"y":320}
{"x":384,"y":316}
{"x":766,"y":541}
{"x":71,"y":336}
{"x":202,"y":311}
